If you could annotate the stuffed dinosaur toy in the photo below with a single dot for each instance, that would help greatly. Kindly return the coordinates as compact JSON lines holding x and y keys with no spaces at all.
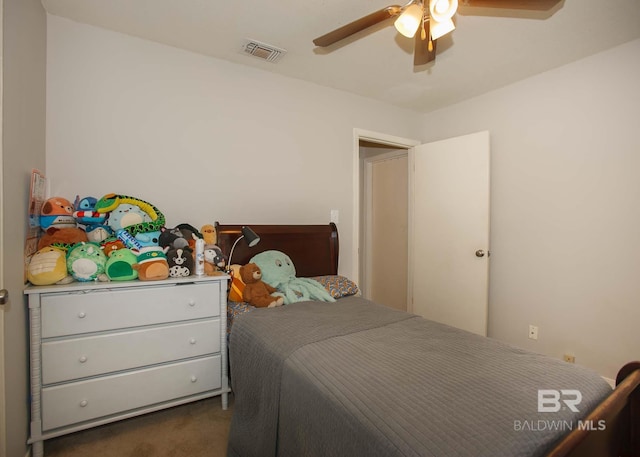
{"x":279,"y":272}
{"x":86,"y":262}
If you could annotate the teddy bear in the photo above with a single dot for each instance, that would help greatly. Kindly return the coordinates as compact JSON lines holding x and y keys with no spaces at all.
{"x":257,"y":292}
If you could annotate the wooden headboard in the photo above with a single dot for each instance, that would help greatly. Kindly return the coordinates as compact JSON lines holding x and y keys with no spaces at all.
{"x":312,"y":248}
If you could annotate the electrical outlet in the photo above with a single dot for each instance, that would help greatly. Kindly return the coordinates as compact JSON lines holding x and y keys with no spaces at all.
{"x":533,"y":332}
{"x":569,"y":358}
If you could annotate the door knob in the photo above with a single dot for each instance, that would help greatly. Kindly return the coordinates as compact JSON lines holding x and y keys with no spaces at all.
{"x":4,"y":296}
{"x":479,"y":253}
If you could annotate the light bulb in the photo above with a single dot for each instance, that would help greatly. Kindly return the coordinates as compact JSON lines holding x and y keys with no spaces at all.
{"x":409,"y":21}
{"x":442,"y":10}
{"x":439,"y":29}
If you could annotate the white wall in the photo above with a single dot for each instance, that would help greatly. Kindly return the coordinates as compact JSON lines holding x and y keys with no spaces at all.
{"x":200,"y":138}
{"x":565,"y":188}
{"x":207,"y":140}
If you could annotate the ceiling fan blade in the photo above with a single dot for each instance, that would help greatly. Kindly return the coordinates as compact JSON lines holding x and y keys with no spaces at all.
{"x":357,"y":26}
{"x":421,"y":53}
{"x":534,"y":5}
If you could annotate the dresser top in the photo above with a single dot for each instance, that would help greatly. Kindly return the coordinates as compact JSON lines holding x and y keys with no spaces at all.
{"x":96,"y":285}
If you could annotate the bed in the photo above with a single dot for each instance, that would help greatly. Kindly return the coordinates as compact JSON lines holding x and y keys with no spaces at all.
{"x":354,"y":378}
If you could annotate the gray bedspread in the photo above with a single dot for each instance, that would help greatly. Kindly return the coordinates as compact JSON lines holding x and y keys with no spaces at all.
{"x":354,"y":378}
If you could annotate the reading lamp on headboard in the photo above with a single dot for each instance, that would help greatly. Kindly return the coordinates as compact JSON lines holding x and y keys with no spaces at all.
{"x":249,"y":236}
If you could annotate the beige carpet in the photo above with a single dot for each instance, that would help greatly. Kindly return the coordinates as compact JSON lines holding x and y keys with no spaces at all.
{"x":194,"y":430}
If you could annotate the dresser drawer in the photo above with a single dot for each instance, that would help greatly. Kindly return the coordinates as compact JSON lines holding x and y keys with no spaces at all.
{"x":73,"y":358}
{"x":82,"y":401}
{"x":97,"y":310}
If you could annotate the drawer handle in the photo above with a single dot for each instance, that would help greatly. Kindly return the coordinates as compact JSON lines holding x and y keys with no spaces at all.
{"x":84,"y":403}
{"x":83,"y":359}
{"x":194,"y":378}
{"x":192,"y":303}
{"x":192,"y":341}
{"x":82,"y":315}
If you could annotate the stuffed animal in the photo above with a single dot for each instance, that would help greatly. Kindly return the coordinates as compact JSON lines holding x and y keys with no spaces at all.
{"x":279,"y":272}
{"x":125,"y":215}
{"x":119,"y":265}
{"x":172,"y":238}
{"x":63,"y":238}
{"x":257,"y":292}
{"x":98,"y":233}
{"x":178,"y":237}
{"x":86,"y":262}
{"x":190,"y":233}
{"x":57,"y":212}
{"x":152,"y":218}
{"x":86,"y":214}
{"x":180,"y":262}
{"x":236,"y":286}
{"x":209,"y":234}
{"x":111,"y":245}
{"x":48,"y":266}
{"x":152,"y":264}
{"x":214,"y":260}
{"x":148,"y":238}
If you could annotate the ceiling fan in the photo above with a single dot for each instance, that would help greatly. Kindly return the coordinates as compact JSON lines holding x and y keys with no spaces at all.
{"x":426,"y":20}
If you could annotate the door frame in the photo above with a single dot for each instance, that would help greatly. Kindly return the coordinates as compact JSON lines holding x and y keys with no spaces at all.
{"x":367,"y":212}
{"x":382,"y":139}
{"x":3,"y":414}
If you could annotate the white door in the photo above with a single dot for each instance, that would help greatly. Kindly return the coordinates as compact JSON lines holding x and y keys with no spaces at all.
{"x":449,"y":231}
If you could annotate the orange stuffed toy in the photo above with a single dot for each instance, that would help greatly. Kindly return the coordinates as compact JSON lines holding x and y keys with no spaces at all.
{"x":257,"y":292}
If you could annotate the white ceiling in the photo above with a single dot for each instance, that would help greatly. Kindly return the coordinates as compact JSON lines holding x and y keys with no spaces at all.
{"x":486,"y":51}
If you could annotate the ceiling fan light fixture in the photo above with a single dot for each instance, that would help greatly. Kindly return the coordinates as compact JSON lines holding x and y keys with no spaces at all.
{"x":442,"y":10}
{"x":439,"y":29}
{"x":409,"y":21}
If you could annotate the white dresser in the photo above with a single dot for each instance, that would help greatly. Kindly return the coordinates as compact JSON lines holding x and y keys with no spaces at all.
{"x":101,"y":352}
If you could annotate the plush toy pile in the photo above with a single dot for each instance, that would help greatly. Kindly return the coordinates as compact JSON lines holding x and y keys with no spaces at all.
{"x":269,"y":280}
{"x":115,"y":238}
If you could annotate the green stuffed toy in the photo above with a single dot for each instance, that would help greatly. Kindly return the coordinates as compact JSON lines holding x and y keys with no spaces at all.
{"x":130,"y":213}
{"x":278,"y":271}
{"x":86,"y":262}
{"x":119,"y":266}
{"x":151,"y":264}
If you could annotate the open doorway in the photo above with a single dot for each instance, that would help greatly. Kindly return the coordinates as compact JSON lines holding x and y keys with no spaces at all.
{"x":382,"y":228}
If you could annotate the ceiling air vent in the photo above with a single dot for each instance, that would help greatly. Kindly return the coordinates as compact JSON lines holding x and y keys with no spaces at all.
{"x":263,"y":51}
